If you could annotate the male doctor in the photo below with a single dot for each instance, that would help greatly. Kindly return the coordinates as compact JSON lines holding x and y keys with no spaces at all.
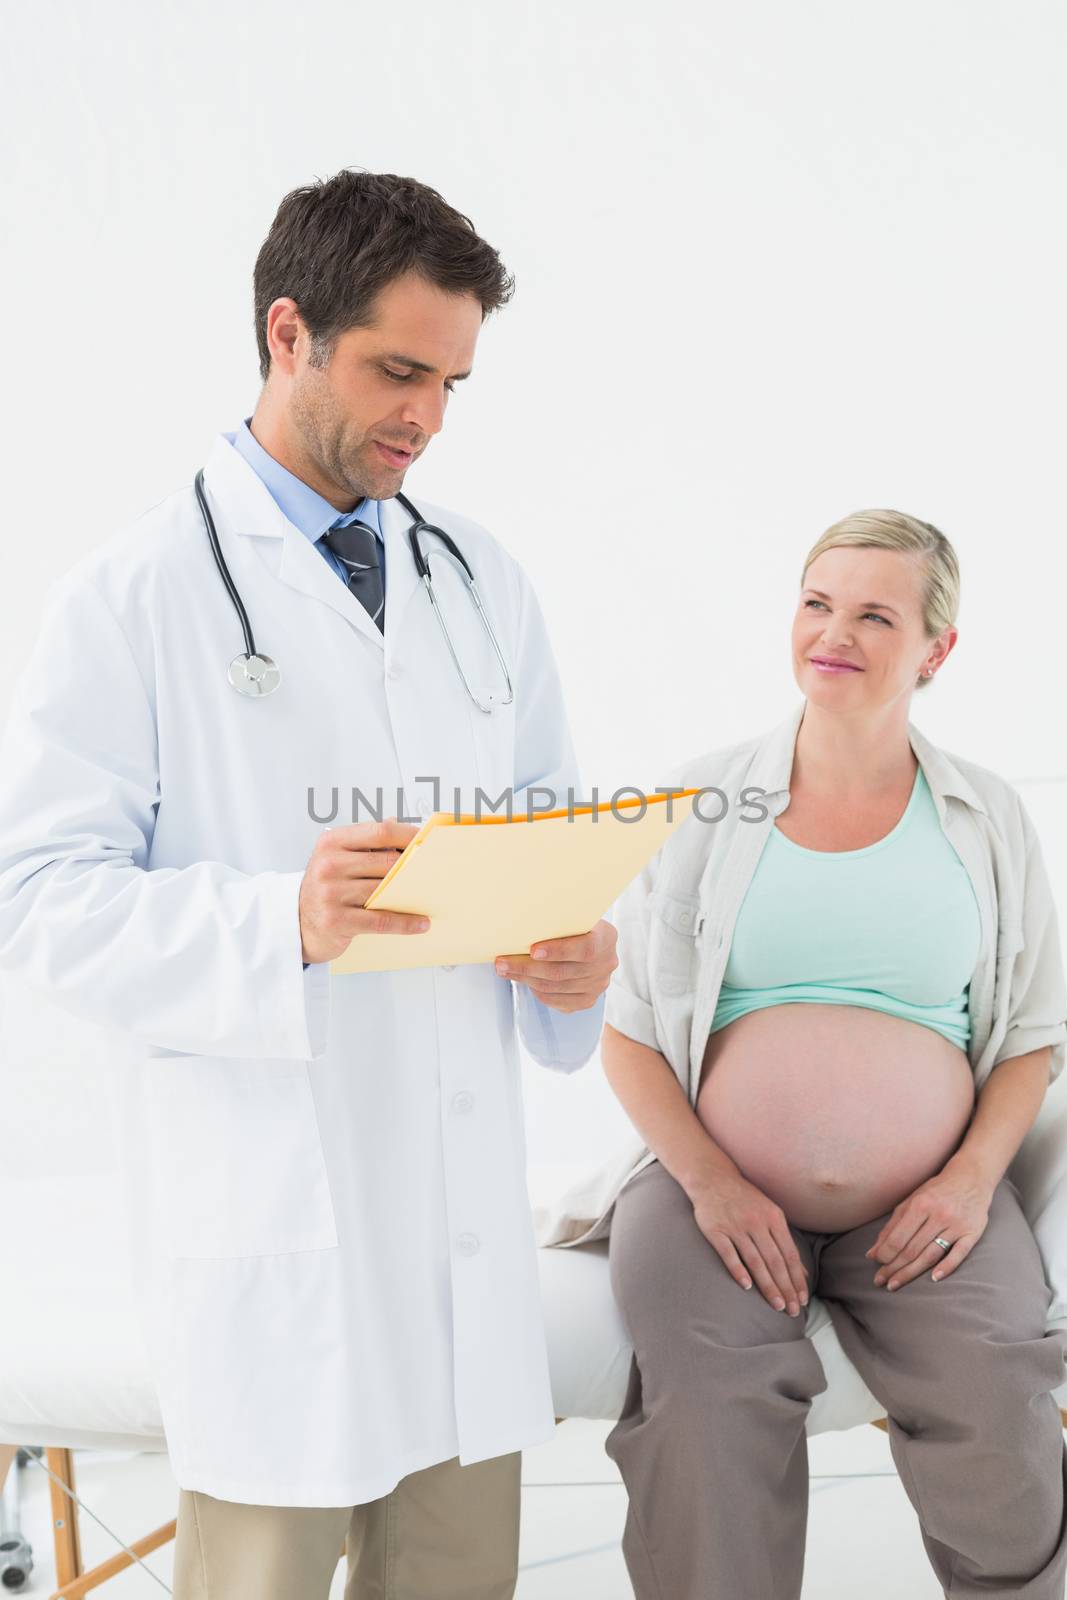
{"x":327,"y":1208}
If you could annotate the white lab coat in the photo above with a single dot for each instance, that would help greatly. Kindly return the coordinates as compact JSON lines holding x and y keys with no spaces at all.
{"x":328,"y":1216}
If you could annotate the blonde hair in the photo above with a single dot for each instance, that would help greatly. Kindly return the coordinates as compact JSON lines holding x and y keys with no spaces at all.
{"x":895,"y":530}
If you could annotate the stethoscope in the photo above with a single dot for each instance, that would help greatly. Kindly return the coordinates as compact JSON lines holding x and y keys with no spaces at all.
{"x":255,"y":674}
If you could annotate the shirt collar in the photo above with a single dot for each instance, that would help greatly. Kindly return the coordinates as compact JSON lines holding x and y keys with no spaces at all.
{"x":772,"y":764}
{"x":304,"y":507}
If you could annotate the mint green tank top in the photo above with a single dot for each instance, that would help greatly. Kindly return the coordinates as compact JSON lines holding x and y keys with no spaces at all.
{"x":894,"y":927}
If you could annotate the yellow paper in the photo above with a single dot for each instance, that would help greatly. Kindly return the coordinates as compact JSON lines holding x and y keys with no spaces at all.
{"x":494,"y":887}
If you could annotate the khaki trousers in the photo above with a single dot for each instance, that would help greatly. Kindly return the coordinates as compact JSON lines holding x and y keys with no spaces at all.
{"x":711,"y":1442}
{"x":445,"y":1533}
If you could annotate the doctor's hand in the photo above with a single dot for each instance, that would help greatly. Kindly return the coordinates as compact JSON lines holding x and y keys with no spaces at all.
{"x":567,"y":974}
{"x":346,"y":866}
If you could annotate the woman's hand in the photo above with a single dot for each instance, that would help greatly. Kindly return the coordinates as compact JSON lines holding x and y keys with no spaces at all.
{"x":953,"y":1204}
{"x":749,"y":1230}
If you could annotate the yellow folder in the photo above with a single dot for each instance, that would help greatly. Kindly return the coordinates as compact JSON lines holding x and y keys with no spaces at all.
{"x":494,"y":886}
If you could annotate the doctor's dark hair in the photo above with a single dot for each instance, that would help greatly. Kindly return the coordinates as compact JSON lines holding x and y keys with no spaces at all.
{"x":337,"y":242}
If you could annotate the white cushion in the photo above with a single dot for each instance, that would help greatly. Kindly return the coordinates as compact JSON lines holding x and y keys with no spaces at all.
{"x":74,"y":1368}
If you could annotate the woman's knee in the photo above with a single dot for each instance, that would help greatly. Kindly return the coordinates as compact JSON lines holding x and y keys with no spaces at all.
{"x":685,"y":1311}
{"x":659,"y":1261}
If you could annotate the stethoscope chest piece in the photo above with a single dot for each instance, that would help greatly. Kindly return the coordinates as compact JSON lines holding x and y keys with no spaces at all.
{"x":254,"y":675}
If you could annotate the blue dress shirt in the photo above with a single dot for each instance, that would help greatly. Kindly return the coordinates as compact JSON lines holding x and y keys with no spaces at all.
{"x":305,"y":508}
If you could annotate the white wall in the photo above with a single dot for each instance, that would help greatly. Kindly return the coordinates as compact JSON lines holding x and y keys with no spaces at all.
{"x":774,"y":262}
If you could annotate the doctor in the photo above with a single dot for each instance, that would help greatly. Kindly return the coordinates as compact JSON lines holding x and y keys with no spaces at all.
{"x":327,"y":1208}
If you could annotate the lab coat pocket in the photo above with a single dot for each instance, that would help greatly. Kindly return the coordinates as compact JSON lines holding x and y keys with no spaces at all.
{"x":238,"y":1156}
{"x":672,"y":950}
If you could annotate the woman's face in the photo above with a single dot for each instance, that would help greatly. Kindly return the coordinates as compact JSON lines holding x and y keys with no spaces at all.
{"x":863,"y":608}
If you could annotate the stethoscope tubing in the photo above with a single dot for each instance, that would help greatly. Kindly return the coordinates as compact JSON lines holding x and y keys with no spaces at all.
{"x":220,"y":562}
{"x":422,"y":565}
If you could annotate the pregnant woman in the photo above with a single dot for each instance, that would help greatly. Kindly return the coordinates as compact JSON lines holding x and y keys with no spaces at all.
{"x":836,"y":1014}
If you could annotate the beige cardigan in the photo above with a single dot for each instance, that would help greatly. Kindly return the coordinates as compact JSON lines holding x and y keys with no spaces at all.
{"x":676,"y":920}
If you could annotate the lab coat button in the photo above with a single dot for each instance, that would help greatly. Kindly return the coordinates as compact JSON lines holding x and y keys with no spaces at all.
{"x":393,"y":671}
{"x":467,"y":1244}
{"x":448,"y":966}
{"x":463,"y":1102}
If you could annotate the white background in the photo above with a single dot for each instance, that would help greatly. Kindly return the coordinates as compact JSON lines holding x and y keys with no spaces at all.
{"x":774,"y":262}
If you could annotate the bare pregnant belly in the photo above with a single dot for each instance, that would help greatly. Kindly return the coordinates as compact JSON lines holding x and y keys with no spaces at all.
{"x":835,"y":1112}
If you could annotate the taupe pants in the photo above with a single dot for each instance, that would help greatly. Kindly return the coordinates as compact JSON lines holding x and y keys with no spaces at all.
{"x":446,"y":1533}
{"x":711,"y":1443}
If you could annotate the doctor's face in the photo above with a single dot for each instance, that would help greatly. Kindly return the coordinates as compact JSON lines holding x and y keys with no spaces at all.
{"x":362,"y":416}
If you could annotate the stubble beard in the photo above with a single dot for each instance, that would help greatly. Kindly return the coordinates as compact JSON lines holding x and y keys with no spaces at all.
{"x":321,"y":430}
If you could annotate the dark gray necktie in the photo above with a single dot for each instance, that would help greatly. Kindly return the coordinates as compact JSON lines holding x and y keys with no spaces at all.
{"x":356,"y":547}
